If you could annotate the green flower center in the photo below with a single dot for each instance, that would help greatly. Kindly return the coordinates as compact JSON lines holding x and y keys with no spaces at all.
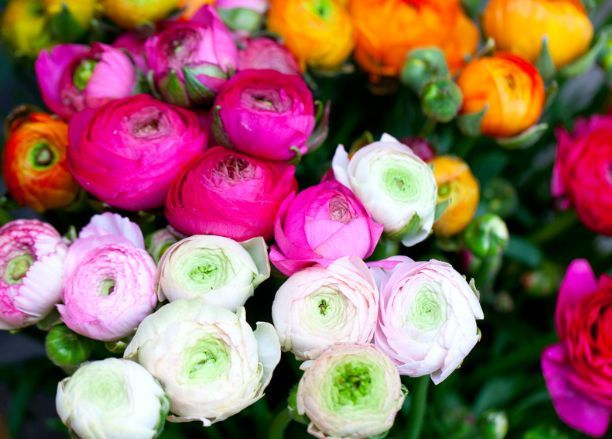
{"x":107,"y":287}
{"x":206,"y":360}
{"x":42,"y":156}
{"x":17,"y":268}
{"x":325,"y":308}
{"x":323,"y":8}
{"x":399,"y":184}
{"x":444,"y":191}
{"x":206,"y":269}
{"x":106,"y":390}
{"x":352,"y":382}
{"x":428,"y":309}
{"x":82,"y":74}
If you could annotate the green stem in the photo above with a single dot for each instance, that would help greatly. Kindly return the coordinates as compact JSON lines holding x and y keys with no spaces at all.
{"x":418,"y":407}
{"x":553,"y":229}
{"x":279,"y":425}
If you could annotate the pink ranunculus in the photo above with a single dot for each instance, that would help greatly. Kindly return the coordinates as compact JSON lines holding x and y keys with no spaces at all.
{"x":191,"y":60}
{"x":110,"y":280}
{"x":73,"y":77}
{"x":134,"y":44}
{"x":266,"y":53}
{"x":229,"y":194}
{"x":128,"y":152}
{"x":265,"y":113}
{"x":319,"y":225}
{"x":582,"y":175}
{"x":31,"y":262}
{"x":577,"y":369}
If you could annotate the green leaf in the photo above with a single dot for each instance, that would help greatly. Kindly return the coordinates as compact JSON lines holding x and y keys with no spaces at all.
{"x":469,"y":124}
{"x":64,"y":27}
{"x":523,"y":251}
{"x":586,"y":61}
{"x":441,"y":208}
{"x":545,"y":63}
{"x":525,"y":139}
{"x":198,"y":92}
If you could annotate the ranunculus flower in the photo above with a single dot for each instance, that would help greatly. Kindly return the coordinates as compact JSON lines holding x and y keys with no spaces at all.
{"x":320,"y":224}
{"x":266,"y":53}
{"x":82,"y":11}
{"x":190,"y":60}
{"x":519,"y":26}
{"x":230,"y":194}
{"x":209,"y":360}
{"x":112,"y":398}
{"x":395,"y":186}
{"x":32,"y":265}
{"x":387,"y":30}
{"x":350,"y":391}
{"x":582,"y":172}
{"x":318,"y":32}
{"x":34,"y":163}
{"x":128,"y":152}
{"x":577,"y":369}
{"x":219,"y":270}
{"x":509,"y":86}
{"x":23,"y":28}
{"x":72,"y":77}
{"x":266,"y":114}
{"x":318,"y":307}
{"x":133,"y":43}
{"x":109,"y":282}
{"x":242,"y":16}
{"x":191,"y":7}
{"x":159,"y":241}
{"x":458,"y":187}
{"x":427,"y":318}
{"x":130,"y":14}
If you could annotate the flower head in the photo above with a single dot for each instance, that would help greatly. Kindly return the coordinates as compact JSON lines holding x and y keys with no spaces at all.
{"x":130,"y":14}
{"x":267,"y":54}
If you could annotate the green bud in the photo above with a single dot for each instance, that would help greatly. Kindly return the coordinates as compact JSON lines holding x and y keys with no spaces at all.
{"x":500,"y":197}
{"x":67,"y":349}
{"x":486,"y":235}
{"x":494,"y":425}
{"x":241,"y":19}
{"x":441,"y":100}
{"x":158,"y":242}
{"x":524,"y":140}
{"x":422,"y":66}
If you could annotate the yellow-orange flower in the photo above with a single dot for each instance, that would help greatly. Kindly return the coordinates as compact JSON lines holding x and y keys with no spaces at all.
{"x":388,"y":29}
{"x":458,"y":186}
{"x":518,"y":26}
{"x":318,"y":32}
{"x":23,"y":27}
{"x":132,"y":13}
{"x":82,"y":10}
{"x":510,"y":86}
{"x":34,"y":162}
{"x":190,"y":7}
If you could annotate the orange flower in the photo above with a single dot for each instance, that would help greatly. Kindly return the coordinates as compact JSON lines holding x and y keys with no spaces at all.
{"x":34,"y":162}
{"x":318,"y":32}
{"x":510,"y":86}
{"x":456,"y":184}
{"x":133,"y":13}
{"x":388,"y":29}
{"x":190,"y":7}
{"x":518,"y":26}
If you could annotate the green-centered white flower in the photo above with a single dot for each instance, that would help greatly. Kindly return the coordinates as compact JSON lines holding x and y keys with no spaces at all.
{"x":218,"y":270}
{"x":396,"y":187}
{"x":350,"y":391}
{"x":209,"y":360}
{"x":112,"y":398}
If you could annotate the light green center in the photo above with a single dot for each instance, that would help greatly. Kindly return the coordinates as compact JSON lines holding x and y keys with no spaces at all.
{"x":206,"y":360}
{"x":17,"y":268}
{"x":42,"y":155}
{"x":428,"y":309}
{"x":107,"y":287}
{"x":325,"y":308}
{"x":352,"y":383}
{"x":399,"y":184}
{"x":106,"y":390}
{"x":204,"y":269}
{"x":82,"y":74}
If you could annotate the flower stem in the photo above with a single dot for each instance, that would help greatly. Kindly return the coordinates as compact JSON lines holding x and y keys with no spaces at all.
{"x":419,"y":405}
{"x":279,"y":424}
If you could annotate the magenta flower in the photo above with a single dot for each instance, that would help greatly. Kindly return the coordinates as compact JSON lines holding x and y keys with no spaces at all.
{"x":129,"y":152}
{"x":72,"y":77}
{"x":267,"y":54}
{"x":31,"y":262}
{"x":189,"y":61}
{"x":134,"y":45}
{"x":266,"y":114}
{"x":577,"y":369}
{"x":321,"y":224}
{"x":229,"y":194}
{"x":109,"y":283}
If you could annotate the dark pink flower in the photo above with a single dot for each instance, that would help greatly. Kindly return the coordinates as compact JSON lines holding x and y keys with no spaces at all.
{"x":266,"y":53}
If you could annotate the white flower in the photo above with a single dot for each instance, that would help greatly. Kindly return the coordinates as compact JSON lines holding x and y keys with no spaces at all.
{"x":427,"y":319}
{"x":350,"y":391}
{"x":210,"y":362}
{"x":112,"y":399}
{"x":319,"y":306}
{"x":396,"y":187}
{"x":219,"y":270}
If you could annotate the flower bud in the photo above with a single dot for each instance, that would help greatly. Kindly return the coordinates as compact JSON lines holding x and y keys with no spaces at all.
{"x":318,"y":32}
{"x":441,"y":100}
{"x":508,"y":88}
{"x":112,"y":398}
{"x":351,"y":390}
{"x":459,"y":189}
{"x":487,"y":234}
{"x":24,"y":28}
{"x":500,"y":197}
{"x":519,"y":26}
{"x":494,"y":425}
{"x":422,"y":66}
{"x":209,"y":360}
{"x":130,"y":14}
{"x":219,"y":270}
{"x":159,"y":241}
{"x":395,"y":186}
{"x":34,"y":162}
{"x":267,"y":54}
{"x":318,"y":307}
{"x":32,"y":257}
{"x":133,"y":43}
{"x":242,"y":15}
{"x":66,"y":349}
{"x":421,"y":147}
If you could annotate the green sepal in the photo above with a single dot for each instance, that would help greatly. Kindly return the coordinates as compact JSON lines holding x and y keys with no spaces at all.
{"x":586,"y":61}
{"x":64,"y":27}
{"x":318,"y":136}
{"x":217,"y":129}
{"x":365,"y":139}
{"x":49,"y":321}
{"x":173,"y":90}
{"x":545,"y":63}
{"x":441,"y":100}
{"x":441,"y":208}
{"x":469,"y":124}
{"x":198,"y":93}
{"x":292,"y":407}
{"x":411,"y":228}
{"x":422,"y":66}
{"x":525,"y":139}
